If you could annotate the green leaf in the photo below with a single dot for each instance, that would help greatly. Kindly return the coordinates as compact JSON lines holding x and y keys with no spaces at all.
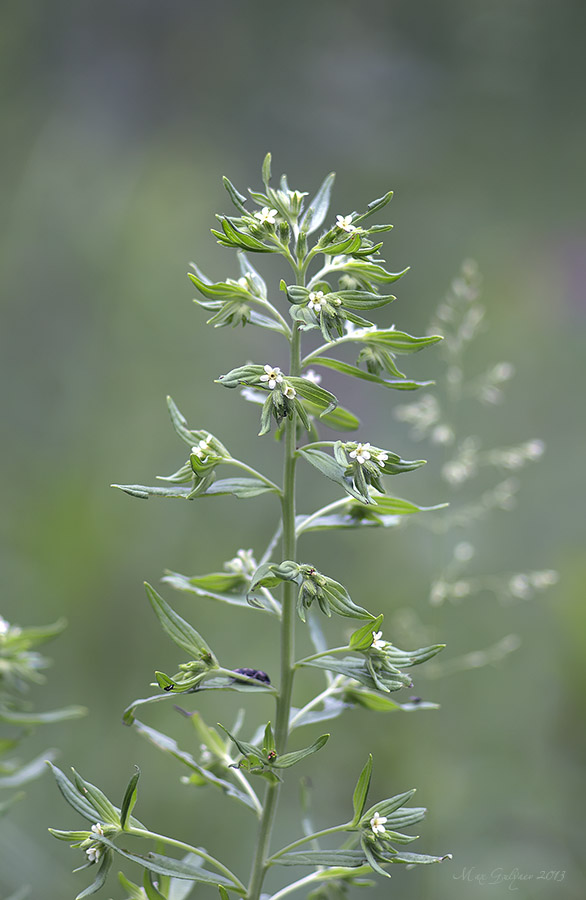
{"x":362,"y":638}
{"x":374,"y":206}
{"x":169,"y":746}
{"x":290,"y":759}
{"x":319,"y":205}
{"x":194,"y":585}
{"x":180,"y":422}
{"x":242,"y":488}
{"x":42,"y":718}
{"x":73,"y":797}
{"x":34,"y":769}
{"x":402,"y":384}
{"x":355,"y":668}
{"x":245,"y":748}
{"x":397,"y":341}
{"x":180,"y":631}
{"x":149,"y":888}
{"x":363,"y":299}
{"x":332,"y":469}
{"x":340,"y":419}
{"x":134,"y":891}
{"x":143,"y":492}
{"x":236,"y":197}
{"x":386,"y":807}
{"x":128,"y":715}
{"x":266,"y":170}
{"x":322,"y":399}
{"x":166,"y":865}
{"x":345,"y":858}
{"x":100,"y":879}
{"x":330,"y":708}
{"x":361,"y":790}
{"x":106,"y":810}
{"x":129,"y":799}
{"x":417,"y":859}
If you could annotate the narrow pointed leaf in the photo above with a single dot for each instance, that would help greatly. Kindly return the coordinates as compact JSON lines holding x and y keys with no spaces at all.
{"x":129,"y":799}
{"x":345,"y":858}
{"x":290,"y":759}
{"x":100,"y":879}
{"x":319,"y":205}
{"x":180,"y":631}
{"x":361,"y":790}
{"x":79,"y":803}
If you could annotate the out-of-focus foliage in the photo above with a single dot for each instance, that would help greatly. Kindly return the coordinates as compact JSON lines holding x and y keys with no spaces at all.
{"x":119,"y":121}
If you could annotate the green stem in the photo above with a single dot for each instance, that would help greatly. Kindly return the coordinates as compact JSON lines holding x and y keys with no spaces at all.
{"x":197,"y":851}
{"x":259,"y":865}
{"x":310,"y":837}
{"x":246,"y":468}
{"x":306,"y":659}
{"x":295,"y":885}
{"x":319,"y":698}
{"x":337,"y":504}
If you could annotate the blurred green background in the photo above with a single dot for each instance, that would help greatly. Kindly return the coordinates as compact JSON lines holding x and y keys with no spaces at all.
{"x":119,"y":121}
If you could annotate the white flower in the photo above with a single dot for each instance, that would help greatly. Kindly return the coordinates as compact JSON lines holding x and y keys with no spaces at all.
{"x":97,"y":829}
{"x":316,"y":300}
{"x":266,"y":216}
{"x":202,"y":449}
{"x":4,"y":626}
{"x":381,"y":458}
{"x":289,"y":391}
{"x":377,"y":643}
{"x":272,"y":375}
{"x":377,"y":823}
{"x":93,"y":853}
{"x":337,"y":301}
{"x":361,"y":454}
{"x":243,"y":563}
{"x":313,"y":376}
{"x":345,"y":223}
{"x":243,"y":282}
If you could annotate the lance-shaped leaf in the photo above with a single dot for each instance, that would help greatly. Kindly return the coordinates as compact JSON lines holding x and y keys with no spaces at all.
{"x":318,"y":396}
{"x":341,"y":858}
{"x":340,"y":419}
{"x":290,"y":759}
{"x":397,"y":341}
{"x":373,"y":207}
{"x":386,"y":807}
{"x":101,"y":875}
{"x":236,"y":197}
{"x":78,"y":801}
{"x":232,"y":236}
{"x":106,"y":810}
{"x":175,"y":868}
{"x":169,"y":746}
{"x":129,"y":799}
{"x":318,"y":206}
{"x":143,"y":491}
{"x":243,"y":488}
{"x":180,"y":631}
{"x":15,"y":717}
{"x":363,"y":637}
{"x":362,"y":299}
{"x":402,"y":384}
{"x":23,"y":774}
{"x":332,"y":469}
{"x":355,"y":668}
{"x":361,"y":791}
{"x":234,"y":592}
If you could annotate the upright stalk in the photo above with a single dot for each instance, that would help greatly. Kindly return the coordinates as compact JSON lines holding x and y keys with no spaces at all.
{"x":259,"y":865}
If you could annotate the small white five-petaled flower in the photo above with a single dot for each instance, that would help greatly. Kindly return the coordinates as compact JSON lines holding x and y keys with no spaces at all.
{"x":272,"y":375}
{"x":266,"y":216}
{"x":312,"y":376}
{"x":202,"y":449}
{"x":243,"y":281}
{"x":361,"y":454}
{"x":289,"y":391}
{"x":377,"y":823}
{"x":316,"y":300}
{"x":345,"y":223}
{"x":381,"y":458}
{"x":377,"y":643}
{"x":94,"y":851}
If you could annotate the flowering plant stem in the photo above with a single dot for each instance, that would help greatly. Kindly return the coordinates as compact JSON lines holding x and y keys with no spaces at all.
{"x":289,"y":540}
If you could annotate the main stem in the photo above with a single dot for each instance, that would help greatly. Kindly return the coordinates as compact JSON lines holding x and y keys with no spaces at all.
{"x":259,"y":866}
